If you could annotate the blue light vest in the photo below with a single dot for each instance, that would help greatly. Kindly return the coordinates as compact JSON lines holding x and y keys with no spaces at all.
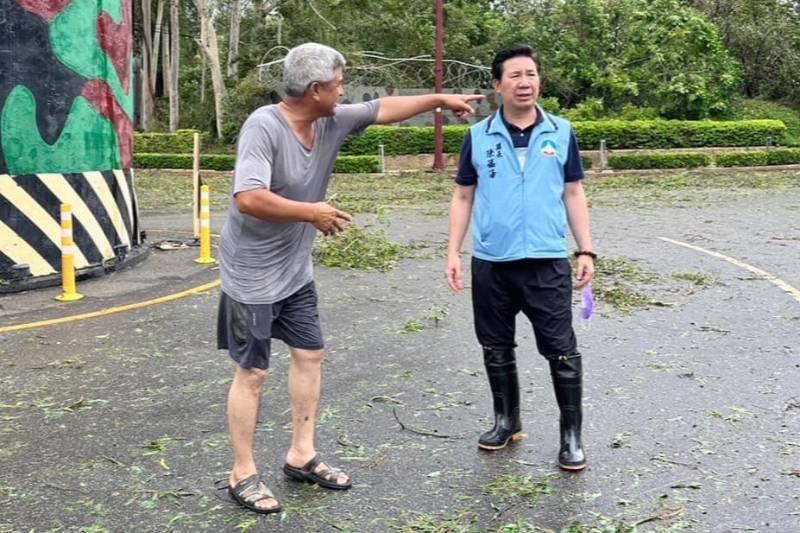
{"x":519,"y":213}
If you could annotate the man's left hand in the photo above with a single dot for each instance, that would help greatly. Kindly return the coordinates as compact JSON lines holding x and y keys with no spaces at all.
{"x":584,"y":271}
{"x":459,"y":103}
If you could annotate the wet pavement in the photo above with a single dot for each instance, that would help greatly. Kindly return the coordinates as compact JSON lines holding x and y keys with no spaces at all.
{"x":692,"y":404}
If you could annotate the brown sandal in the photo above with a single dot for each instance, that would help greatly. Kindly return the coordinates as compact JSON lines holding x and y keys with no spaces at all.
{"x":252,"y":490}
{"x":327,"y":477}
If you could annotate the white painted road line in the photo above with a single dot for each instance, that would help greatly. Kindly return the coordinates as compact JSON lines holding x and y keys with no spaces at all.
{"x":785,"y":287}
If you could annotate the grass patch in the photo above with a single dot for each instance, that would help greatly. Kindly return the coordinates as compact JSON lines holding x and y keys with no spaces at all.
{"x":521,"y":526}
{"x":56,"y":409}
{"x":622,"y":298}
{"x":615,"y":283}
{"x":157,"y":192}
{"x":511,"y":486}
{"x":430,"y":193}
{"x":708,"y":179}
{"x":695,"y":278}
{"x":359,"y":193}
{"x":214,"y":442}
{"x":358,"y":249}
{"x":412,"y":325}
{"x":435,"y":315}
{"x":354,"y":193}
{"x":156,"y":447}
{"x":604,"y":525}
{"x":435,"y":523}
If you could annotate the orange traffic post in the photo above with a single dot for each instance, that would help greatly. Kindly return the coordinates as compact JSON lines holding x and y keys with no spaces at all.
{"x":69,"y":293}
{"x":205,"y":228}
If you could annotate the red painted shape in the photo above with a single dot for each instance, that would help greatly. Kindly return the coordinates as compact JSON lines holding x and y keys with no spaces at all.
{"x":100,"y":95}
{"x":116,"y":40}
{"x":47,"y":9}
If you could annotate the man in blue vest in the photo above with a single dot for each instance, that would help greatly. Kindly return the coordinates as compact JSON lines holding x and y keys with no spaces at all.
{"x":519,"y":179}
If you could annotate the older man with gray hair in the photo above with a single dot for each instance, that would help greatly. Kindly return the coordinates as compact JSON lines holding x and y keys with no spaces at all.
{"x":286,"y":154}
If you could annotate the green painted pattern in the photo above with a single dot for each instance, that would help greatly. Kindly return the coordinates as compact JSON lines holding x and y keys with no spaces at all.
{"x":73,"y":35}
{"x":88,"y":141}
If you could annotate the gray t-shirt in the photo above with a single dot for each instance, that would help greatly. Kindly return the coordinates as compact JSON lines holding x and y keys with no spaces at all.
{"x":263,"y":262}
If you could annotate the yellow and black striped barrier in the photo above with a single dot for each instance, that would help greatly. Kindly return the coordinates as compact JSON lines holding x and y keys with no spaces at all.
{"x":105,"y":220}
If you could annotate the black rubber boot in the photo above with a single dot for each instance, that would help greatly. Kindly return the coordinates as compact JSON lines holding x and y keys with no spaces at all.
{"x":567,"y":373}
{"x":501,"y":368}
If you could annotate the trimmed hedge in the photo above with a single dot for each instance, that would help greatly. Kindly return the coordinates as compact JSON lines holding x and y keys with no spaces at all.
{"x":784,"y":156}
{"x":677,"y":133}
{"x":344,"y":164}
{"x":741,"y":159}
{"x":180,"y":142}
{"x":789,"y":156}
{"x":587,"y":162}
{"x":617,"y":134}
{"x":401,"y":140}
{"x":357,"y":164}
{"x":183,"y":161}
{"x":644,"y":161}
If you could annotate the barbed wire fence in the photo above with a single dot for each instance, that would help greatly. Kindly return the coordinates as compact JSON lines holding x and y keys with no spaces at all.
{"x":376,"y":70}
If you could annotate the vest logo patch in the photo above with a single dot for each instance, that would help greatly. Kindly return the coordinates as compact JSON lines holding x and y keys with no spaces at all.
{"x":549,"y":148}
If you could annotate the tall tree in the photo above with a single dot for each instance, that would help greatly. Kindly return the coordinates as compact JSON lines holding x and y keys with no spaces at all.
{"x":649,"y":53}
{"x":210,"y":48}
{"x":147,"y":111}
{"x":174,"y":66}
{"x":156,"y":44}
{"x":764,"y":35}
{"x":233,"y":38}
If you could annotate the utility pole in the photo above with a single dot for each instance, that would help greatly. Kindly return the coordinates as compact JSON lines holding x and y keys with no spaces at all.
{"x":438,"y":157}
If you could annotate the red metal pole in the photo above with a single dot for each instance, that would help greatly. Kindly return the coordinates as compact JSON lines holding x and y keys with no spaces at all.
{"x":438,"y":156}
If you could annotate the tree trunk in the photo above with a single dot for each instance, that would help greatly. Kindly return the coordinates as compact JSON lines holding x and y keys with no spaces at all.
{"x":233,"y":42}
{"x":156,"y":46}
{"x":202,"y":78}
{"x":166,"y":61}
{"x":148,"y":106}
{"x":175,"y":62}
{"x":210,"y":47}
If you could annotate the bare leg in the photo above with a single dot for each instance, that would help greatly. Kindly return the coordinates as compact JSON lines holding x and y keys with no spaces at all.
{"x":305,"y":373}
{"x":243,"y":402}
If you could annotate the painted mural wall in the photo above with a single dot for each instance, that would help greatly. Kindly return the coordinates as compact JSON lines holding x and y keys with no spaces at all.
{"x":66,"y":134}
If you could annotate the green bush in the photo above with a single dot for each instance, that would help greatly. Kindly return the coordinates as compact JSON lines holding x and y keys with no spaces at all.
{"x":746,"y":109}
{"x":180,"y":142}
{"x":617,"y":134}
{"x":632,"y":112}
{"x":403,"y":140}
{"x":643,"y":161}
{"x":677,"y":133}
{"x":550,"y":104}
{"x":357,"y":164}
{"x":183,"y":161}
{"x":788,"y":156}
{"x":741,"y":159}
{"x":587,"y":162}
{"x":589,"y":109}
{"x":225,"y":162}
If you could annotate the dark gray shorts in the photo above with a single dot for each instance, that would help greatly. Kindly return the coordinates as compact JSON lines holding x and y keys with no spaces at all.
{"x":245,"y":330}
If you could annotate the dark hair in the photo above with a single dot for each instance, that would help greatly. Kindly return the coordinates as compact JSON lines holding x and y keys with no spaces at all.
{"x":518,"y":50}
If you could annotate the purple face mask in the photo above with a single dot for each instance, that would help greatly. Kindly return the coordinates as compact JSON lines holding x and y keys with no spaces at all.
{"x":588,"y":303}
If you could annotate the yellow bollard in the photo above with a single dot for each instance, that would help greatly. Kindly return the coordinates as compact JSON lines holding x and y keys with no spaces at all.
{"x":67,"y":257}
{"x":205,"y":229}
